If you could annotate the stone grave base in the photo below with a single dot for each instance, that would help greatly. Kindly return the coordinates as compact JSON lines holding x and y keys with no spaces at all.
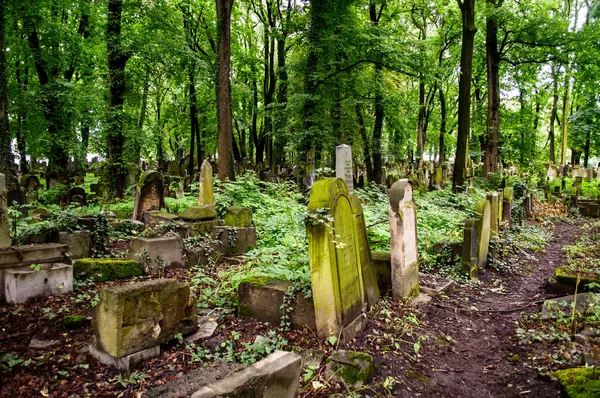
{"x":432,"y":285}
{"x":20,"y":284}
{"x":126,"y":362}
{"x":383,"y":268}
{"x":353,"y":329}
{"x":589,"y":208}
{"x":204,"y":254}
{"x":203,"y":227}
{"x":155,"y":253}
{"x":18,"y":256}
{"x":235,"y":240}
{"x":262,"y":300}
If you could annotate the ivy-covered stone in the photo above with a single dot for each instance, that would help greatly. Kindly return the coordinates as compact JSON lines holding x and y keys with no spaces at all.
{"x":105,"y":269}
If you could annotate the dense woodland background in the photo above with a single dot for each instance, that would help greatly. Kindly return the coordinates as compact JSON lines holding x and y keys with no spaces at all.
{"x":496,"y":81}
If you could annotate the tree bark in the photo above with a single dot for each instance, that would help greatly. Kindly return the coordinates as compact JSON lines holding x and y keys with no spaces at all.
{"x":565,"y":110}
{"x":442,"y":149}
{"x":117,"y":60}
{"x":194,"y":125}
{"x":6,"y":156}
{"x":420,"y":122}
{"x":366,"y":143}
{"x":21,"y":128}
{"x":490,"y":163}
{"x":467,"y":8}
{"x":553,"y":115}
{"x":224,"y":124}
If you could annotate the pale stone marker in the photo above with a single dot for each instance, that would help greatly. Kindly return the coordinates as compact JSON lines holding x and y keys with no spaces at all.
{"x":483,"y":218}
{"x":4,"y":224}
{"x":492,"y":198}
{"x":309,"y":176}
{"x":206,"y":195}
{"x":337,"y":285}
{"x":343,"y":165}
{"x":149,"y":193}
{"x":469,"y":257}
{"x":403,"y":240}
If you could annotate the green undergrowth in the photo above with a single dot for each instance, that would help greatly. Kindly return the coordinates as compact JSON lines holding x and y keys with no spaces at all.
{"x":579,"y":382}
{"x":584,"y":255}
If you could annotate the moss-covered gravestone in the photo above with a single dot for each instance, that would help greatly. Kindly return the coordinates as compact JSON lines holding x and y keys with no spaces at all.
{"x":4,"y":225}
{"x":206,"y":195}
{"x":149,"y":193}
{"x":133,"y":318}
{"x":483,"y":217}
{"x":337,"y":283}
{"x":238,"y":216}
{"x":469,"y":256}
{"x":403,"y":240}
{"x":492,"y":197}
{"x":507,"y":206}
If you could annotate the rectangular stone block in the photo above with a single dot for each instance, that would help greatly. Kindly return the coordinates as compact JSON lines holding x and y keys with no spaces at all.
{"x":262,"y":300}
{"x":19,"y":285}
{"x":132,"y":318}
{"x":33,"y":254}
{"x":235,"y":240}
{"x":153,"y":254}
{"x":78,"y":242}
{"x":126,"y":362}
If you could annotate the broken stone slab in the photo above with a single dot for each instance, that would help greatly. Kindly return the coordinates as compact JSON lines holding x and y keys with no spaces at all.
{"x":563,"y":306}
{"x":38,"y":344}
{"x":351,"y":368}
{"x":78,"y":243}
{"x":134,"y":317}
{"x":261,"y":299}
{"x":18,"y":256}
{"x":199,"y":213}
{"x":19,"y":285}
{"x":434,"y":285}
{"x":105,"y":269}
{"x":237,"y":216}
{"x":276,"y":376}
{"x":154,"y":217}
{"x":156,"y":254}
{"x":206,"y":330}
{"x":235,"y":240}
{"x":126,"y":362}
{"x":421,"y":299}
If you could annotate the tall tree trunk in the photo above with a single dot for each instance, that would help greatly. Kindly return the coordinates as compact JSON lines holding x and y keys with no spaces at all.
{"x":137,"y":147}
{"x":117,"y":60}
{"x":553,"y":114}
{"x":490,"y":163}
{"x":224,"y":125}
{"x":366,"y":143}
{"x":281,"y":120}
{"x":565,"y":110}
{"x":21,"y":128}
{"x":420,"y":122}
{"x":378,"y":127}
{"x":442,"y":149}
{"x":194,"y":125}
{"x":467,"y":8}
{"x":6,"y":156}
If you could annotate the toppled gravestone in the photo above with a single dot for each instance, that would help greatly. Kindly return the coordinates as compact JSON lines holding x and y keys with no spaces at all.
{"x":131,"y":321}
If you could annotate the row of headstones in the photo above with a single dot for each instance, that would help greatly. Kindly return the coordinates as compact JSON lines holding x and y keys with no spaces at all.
{"x":572,"y":171}
{"x":343,"y":277}
{"x":492,"y":215}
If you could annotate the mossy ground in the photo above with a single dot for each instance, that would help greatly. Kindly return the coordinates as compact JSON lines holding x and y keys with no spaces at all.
{"x":579,"y":382}
{"x":105,"y":269}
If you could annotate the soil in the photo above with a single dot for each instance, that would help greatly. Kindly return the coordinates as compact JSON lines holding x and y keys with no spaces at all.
{"x":462,"y":344}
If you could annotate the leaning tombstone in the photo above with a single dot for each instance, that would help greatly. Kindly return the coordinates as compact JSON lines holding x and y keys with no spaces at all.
{"x":338,"y":290}
{"x":483,"y":218}
{"x":149,"y":194}
{"x":403,"y":241}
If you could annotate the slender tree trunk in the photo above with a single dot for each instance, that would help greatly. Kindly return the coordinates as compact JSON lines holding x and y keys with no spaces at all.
{"x":194,"y":125}
{"x":378,"y":127}
{"x":467,"y":8}
{"x":586,"y":149}
{"x":565,"y":110}
{"x":224,"y":125}
{"x":553,"y":115}
{"x":6,"y":156}
{"x":21,"y":129}
{"x":366,"y":143}
{"x":137,"y":147}
{"x":490,"y":163}
{"x":442,"y":149}
{"x":117,"y":60}
{"x":200,"y":137}
{"x":282,"y":77}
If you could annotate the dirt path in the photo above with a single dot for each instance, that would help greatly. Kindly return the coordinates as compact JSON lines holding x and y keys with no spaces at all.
{"x":472,"y":350}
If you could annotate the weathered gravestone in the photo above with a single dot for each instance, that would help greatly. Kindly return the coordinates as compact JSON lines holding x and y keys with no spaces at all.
{"x":131,"y":321}
{"x":483,"y":218}
{"x":206,"y":200}
{"x":15,"y":196}
{"x":77,"y":195}
{"x":148,"y":194}
{"x":492,"y":198}
{"x":469,"y":257}
{"x":238,"y":235}
{"x":343,"y":165}
{"x":4,"y":225}
{"x":403,"y":241}
{"x":156,"y":254}
{"x":309,"y":176}
{"x":337,"y":283}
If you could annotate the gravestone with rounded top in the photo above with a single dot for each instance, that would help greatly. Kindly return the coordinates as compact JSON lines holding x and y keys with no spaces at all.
{"x":403,"y":240}
{"x":149,"y":193}
{"x":337,"y":283}
{"x":206,"y":195}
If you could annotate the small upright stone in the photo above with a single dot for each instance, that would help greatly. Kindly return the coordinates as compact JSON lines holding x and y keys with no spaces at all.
{"x":493,"y":199}
{"x":343,"y":165}
{"x":206,"y":195}
{"x":238,"y":216}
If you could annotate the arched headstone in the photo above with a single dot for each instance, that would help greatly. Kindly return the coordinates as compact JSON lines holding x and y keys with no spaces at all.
{"x":149,"y":193}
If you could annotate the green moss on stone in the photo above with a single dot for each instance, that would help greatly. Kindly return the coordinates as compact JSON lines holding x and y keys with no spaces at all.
{"x":148,"y":176}
{"x":579,"y":382}
{"x":258,"y":280}
{"x":567,"y":276}
{"x":414,"y":292}
{"x":352,"y":374}
{"x":105,"y":269}
{"x":73,"y":321}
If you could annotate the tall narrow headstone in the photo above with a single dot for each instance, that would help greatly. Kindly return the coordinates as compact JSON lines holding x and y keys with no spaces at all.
{"x":4,"y":224}
{"x":493,"y":199}
{"x":483,"y":217}
{"x":206,"y":195}
{"x":309,"y":175}
{"x":469,"y":257}
{"x":403,"y":240}
{"x":337,"y":283}
{"x":343,"y":165}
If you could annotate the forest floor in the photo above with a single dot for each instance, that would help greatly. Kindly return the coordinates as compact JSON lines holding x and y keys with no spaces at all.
{"x":463,"y":344}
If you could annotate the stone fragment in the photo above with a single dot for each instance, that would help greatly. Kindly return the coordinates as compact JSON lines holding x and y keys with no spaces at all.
{"x":235,"y":240}
{"x":19,"y":285}
{"x":156,"y":254}
{"x":78,"y":243}
{"x":37,"y":344}
{"x":351,"y":368}
{"x":138,"y":316}
{"x":238,"y":216}
{"x":126,"y":362}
